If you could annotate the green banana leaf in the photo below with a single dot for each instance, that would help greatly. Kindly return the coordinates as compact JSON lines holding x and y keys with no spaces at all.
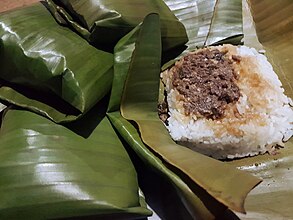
{"x":122,"y":57}
{"x":50,"y":172}
{"x":209,"y":22}
{"x":273,"y":198}
{"x":54,"y":112}
{"x":197,"y":202}
{"x":2,"y":107}
{"x":111,"y":18}
{"x":139,"y":103}
{"x":49,"y":68}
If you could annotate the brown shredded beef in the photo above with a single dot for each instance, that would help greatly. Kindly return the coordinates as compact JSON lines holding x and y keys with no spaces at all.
{"x":207,"y":82}
{"x":163,"y":111}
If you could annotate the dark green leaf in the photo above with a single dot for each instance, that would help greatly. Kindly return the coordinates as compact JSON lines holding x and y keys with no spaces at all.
{"x":104,"y":22}
{"x":12,"y":96}
{"x":48,"y":172}
{"x":46,"y":62}
{"x":122,"y":56}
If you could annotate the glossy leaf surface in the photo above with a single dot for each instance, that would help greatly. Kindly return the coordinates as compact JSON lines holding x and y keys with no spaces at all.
{"x":41,"y":57}
{"x":99,"y":18}
{"x":199,"y":204}
{"x":15,"y":97}
{"x":139,"y":103}
{"x":209,"y":22}
{"x":272,"y":198}
{"x":122,"y":57}
{"x":122,"y":54}
{"x":48,"y":172}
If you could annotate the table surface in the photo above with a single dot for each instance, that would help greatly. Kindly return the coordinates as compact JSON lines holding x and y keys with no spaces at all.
{"x":6,"y":5}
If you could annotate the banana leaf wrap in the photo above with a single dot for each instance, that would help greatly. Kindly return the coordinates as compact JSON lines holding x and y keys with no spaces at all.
{"x":205,"y":194}
{"x":209,"y":22}
{"x":49,"y":171}
{"x":48,"y":68}
{"x":99,"y":18}
{"x":272,"y":198}
{"x":122,"y":57}
{"x":269,"y":26}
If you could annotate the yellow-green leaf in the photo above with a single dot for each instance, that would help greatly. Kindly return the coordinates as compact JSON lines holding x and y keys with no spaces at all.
{"x":272,"y":199}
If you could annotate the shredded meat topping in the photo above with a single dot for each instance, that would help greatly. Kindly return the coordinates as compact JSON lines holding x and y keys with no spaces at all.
{"x":163,"y":111}
{"x":206,"y":80}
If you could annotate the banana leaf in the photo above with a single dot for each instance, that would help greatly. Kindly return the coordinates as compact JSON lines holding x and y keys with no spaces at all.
{"x":198,"y":203}
{"x":139,"y":103}
{"x":122,"y":57}
{"x":250,"y":37}
{"x":209,"y":22}
{"x":48,"y":68}
{"x":274,"y":28}
{"x":96,"y":19}
{"x":2,"y":107}
{"x":226,"y":25}
{"x":25,"y":100}
{"x":50,"y":172}
{"x":272,"y":198}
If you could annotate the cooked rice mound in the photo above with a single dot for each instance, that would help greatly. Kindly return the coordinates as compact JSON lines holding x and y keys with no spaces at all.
{"x":255,"y":122}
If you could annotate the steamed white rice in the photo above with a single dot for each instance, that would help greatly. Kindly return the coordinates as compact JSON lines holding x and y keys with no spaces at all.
{"x":264,"y":119}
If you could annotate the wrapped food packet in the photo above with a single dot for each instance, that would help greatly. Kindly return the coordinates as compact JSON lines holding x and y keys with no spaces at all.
{"x":48,"y":68}
{"x":49,"y":171}
{"x":96,"y":19}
